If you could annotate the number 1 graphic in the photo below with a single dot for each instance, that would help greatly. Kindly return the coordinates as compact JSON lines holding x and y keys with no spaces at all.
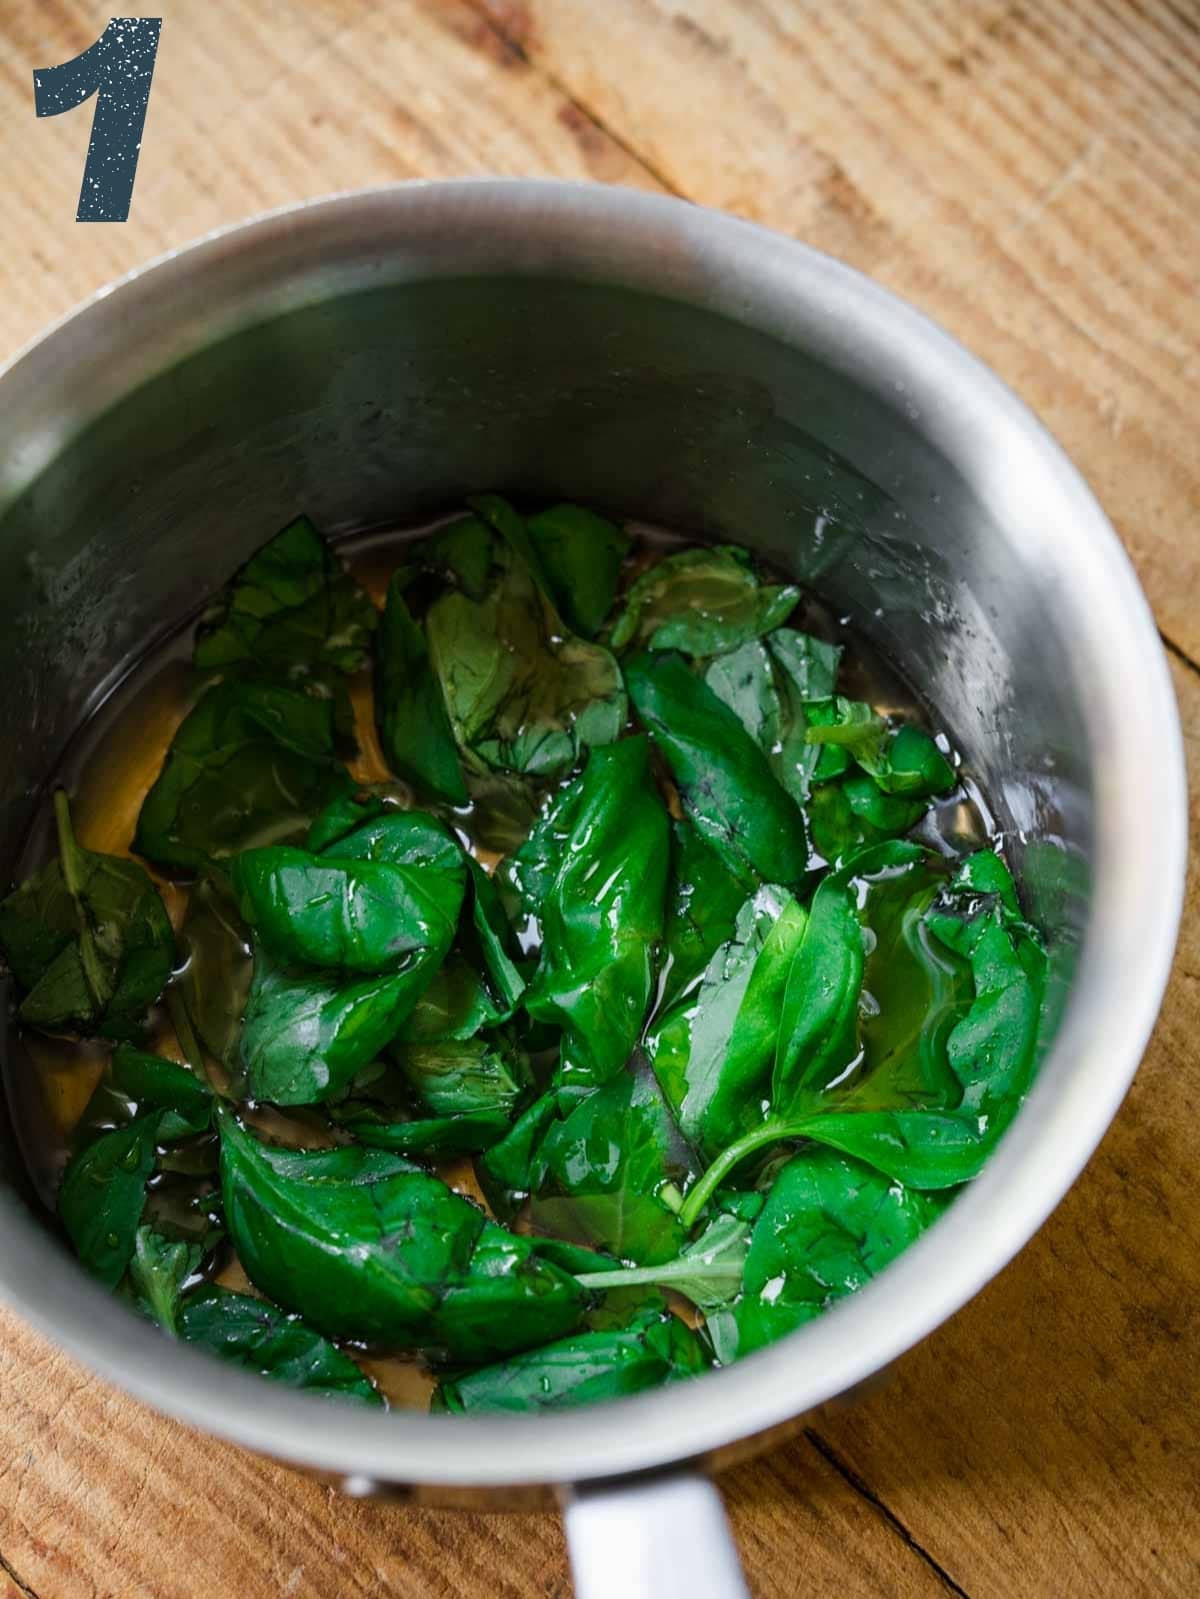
{"x":117,"y":69}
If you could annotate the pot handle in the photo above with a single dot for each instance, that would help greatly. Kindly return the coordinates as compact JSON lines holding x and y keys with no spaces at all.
{"x":655,"y":1538}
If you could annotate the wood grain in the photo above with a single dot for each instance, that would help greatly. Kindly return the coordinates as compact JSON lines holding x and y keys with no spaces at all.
{"x":1026,"y":174}
{"x":100,"y":1496}
{"x":1029,"y":176}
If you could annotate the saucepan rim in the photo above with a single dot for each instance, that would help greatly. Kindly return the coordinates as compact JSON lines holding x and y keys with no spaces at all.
{"x":786,"y":289}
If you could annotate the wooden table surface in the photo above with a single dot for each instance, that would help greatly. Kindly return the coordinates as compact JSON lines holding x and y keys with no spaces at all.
{"x":1027,"y":173}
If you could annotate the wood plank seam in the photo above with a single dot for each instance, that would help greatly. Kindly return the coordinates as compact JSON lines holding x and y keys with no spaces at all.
{"x":1172,"y":648}
{"x":513,"y":42}
{"x":14,"y":1577}
{"x":889,"y":1517}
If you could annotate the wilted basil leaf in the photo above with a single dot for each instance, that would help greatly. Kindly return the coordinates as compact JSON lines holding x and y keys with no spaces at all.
{"x":524,"y":878}
{"x":157,"y":1272}
{"x":252,"y":763}
{"x":829,"y":1226}
{"x":714,"y":1050}
{"x":983,"y":875}
{"x":102,"y":1195}
{"x":702,"y":602}
{"x":399,"y":838}
{"x":491,"y":940}
{"x":217,"y":968}
{"x":452,"y":1098}
{"x":344,"y":813}
{"x":153,"y":1083}
{"x":414,"y":729}
{"x":703,"y":899}
{"x":386,"y":1255}
{"x":292,"y":608}
{"x":991,"y":1052}
{"x":345,"y":913}
{"x":256,"y":1336}
{"x":653,"y":1349}
{"x":904,"y":760}
{"x":89,"y":940}
{"x":462,"y":550}
{"x":779,"y":687}
{"x":513,"y":1167}
{"x":581,"y":555}
{"x":456,"y":1005}
{"x":603,"y":915}
{"x":852,"y":813}
{"x":612,"y":1171}
{"x":307,"y":1033}
{"x":484,"y":1073}
{"x":818,"y":1031}
{"x":724,"y":779}
{"x":523,"y":693}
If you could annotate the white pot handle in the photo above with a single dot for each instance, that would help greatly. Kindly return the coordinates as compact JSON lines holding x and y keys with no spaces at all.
{"x":660,"y":1538}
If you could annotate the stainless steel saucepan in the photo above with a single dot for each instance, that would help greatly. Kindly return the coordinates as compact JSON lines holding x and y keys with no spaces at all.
{"x":385,"y":353}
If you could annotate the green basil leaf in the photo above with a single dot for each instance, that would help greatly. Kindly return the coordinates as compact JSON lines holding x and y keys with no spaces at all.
{"x":778,"y":687}
{"x":89,"y":939}
{"x":307,"y":1033}
{"x":992,"y":1052}
{"x":724,"y":779}
{"x":456,"y":1005}
{"x":985,"y":875}
{"x":524,"y":878}
{"x":829,"y":1226}
{"x":252,"y":763}
{"x":462,"y":551}
{"x":809,"y":665}
{"x":522,"y":691}
{"x":912,"y":764}
{"x":581,"y":555}
{"x":703,"y":900}
{"x":258,"y":1337}
{"x":575,"y":1258}
{"x":603,"y":915}
{"x":901,"y":761}
{"x":399,"y":838}
{"x":424,"y":1137}
{"x":586,"y":1369}
{"x":344,"y":813}
{"x":157,"y":1084}
{"x":512,"y":1168}
{"x":467,"y":1094}
{"x":914,"y":991}
{"x":856,"y":728}
{"x":611,"y":1172}
{"x":217,"y":969}
{"x":291,"y":608}
{"x":345,"y":913}
{"x":472,"y":1075}
{"x":818,"y":1031}
{"x":503,"y":805}
{"x":714,"y":1050}
{"x":492,"y":939}
{"x":157,"y":1272}
{"x":414,"y":729}
{"x":854,"y":813}
{"x":103,"y":1194}
{"x":702,"y":602}
{"x":513,"y":531}
{"x":396,"y":1260}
